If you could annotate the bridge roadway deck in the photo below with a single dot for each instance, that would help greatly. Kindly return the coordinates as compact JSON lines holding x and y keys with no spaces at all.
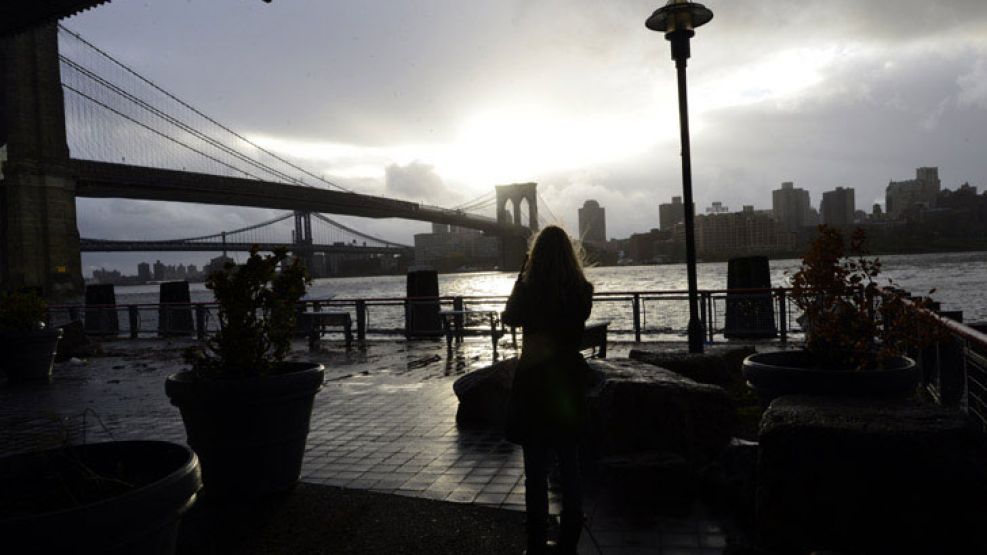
{"x":109,"y":180}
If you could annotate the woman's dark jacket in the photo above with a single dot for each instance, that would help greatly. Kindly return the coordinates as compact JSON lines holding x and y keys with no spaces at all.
{"x":548,"y":396}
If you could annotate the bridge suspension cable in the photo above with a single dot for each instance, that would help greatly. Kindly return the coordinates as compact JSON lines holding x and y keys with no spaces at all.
{"x":168,"y":118}
{"x":159,"y":133}
{"x":338,"y":225}
{"x":482,"y":201}
{"x":542,"y":221}
{"x":78,"y":70}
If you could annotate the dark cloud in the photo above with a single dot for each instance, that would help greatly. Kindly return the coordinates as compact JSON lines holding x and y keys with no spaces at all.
{"x":877,"y":124}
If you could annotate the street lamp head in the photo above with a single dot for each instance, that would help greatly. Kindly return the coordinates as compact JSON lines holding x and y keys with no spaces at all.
{"x":678,"y":19}
{"x":679,"y":15}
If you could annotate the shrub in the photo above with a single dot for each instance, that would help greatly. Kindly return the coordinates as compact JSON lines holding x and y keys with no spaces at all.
{"x":257,"y":310}
{"x":851,"y":322}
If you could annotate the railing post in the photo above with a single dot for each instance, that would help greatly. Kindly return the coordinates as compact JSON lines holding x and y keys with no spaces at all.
{"x":361,"y":322}
{"x":133,"y":315}
{"x":637,"y":317}
{"x":952,"y":372}
{"x":710,"y":324}
{"x":407,"y":318}
{"x":459,"y":319}
{"x":782,"y":316}
{"x":200,"y":322}
{"x":703,"y":302}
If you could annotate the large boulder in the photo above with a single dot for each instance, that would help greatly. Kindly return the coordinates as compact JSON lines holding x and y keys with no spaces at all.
{"x":637,"y":407}
{"x":483,"y":394}
{"x":719,"y":365}
{"x":869,"y":476}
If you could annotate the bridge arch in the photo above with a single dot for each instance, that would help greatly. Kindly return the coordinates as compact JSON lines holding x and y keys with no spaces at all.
{"x":516,"y":194}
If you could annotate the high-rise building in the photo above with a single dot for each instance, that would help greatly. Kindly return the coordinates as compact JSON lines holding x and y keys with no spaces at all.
{"x":717,"y":208}
{"x":144,"y":272}
{"x":466,"y":246}
{"x":159,"y":271}
{"x":670,"y":214}
{"x":740,"y":233}
{"x":592,"y":222}
{"x":838,"y":207}
{"x":791,"y":207}
{"x":440,"y":228}
{"x":920,"y":192}
{"x":216,"y":264}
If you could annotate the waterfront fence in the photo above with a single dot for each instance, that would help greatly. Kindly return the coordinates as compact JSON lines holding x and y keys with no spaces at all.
{"x":633,"y":315}
{"x":954,"y":369}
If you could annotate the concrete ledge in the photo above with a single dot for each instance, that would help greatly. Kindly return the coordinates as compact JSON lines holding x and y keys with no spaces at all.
{"x":869,"y":476}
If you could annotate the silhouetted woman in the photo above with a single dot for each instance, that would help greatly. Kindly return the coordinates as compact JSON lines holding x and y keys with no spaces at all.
{"x":550,"y":301}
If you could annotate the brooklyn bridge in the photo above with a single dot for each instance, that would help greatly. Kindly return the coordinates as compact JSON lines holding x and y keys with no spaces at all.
{"x":77,"y":122}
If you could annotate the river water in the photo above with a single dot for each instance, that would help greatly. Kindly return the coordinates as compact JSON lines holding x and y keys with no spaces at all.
{"x":959,"y":278}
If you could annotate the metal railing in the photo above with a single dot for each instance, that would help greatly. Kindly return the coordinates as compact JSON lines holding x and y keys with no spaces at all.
{"x":954,"y":369}
{"x":633,"y":315}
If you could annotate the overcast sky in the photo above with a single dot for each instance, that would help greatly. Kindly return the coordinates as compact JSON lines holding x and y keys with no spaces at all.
{"x":439,"y":101}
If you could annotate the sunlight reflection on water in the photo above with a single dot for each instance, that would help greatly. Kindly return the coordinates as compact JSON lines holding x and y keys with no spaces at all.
{"x":960,"y":280}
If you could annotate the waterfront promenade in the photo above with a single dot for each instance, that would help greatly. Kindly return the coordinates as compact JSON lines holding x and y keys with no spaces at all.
{"x":384,"y":422}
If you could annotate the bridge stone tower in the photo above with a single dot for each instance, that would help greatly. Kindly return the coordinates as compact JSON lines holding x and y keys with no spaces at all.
{"x":516,"y":194}
{"x":302,"y":238}
{"x":39,"y":237}
{"x":513,"y":248}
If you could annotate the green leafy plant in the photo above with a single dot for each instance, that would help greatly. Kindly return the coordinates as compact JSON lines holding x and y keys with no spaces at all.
{"x":22,"y":312}
{"x":257,"y":309}
{"x":851,"y":322}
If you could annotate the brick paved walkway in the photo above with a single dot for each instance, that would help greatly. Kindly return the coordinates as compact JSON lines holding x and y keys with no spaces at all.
{"x":385,"y":421}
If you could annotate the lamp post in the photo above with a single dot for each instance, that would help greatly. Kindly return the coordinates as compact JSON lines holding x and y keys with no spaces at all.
{"x":678,"y":19}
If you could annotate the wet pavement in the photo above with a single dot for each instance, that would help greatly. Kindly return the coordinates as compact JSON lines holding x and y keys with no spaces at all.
{"x":384,"y":421}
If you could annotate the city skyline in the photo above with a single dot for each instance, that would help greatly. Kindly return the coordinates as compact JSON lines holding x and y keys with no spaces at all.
{"x":842,"y":94}
{"x":792,"y":212}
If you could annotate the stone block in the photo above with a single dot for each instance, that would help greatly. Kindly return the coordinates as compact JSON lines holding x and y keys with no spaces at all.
{"x":717,"y":366}
{"x":483,"y":394}
{"x":869,"y":476}
{"x":637,"y":407}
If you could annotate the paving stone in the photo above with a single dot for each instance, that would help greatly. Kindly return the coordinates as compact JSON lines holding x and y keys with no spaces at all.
{"x":382,"y":431}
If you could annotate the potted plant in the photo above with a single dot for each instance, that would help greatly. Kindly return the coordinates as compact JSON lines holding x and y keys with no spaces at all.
{"x":246,"y":411}
{"x":27,"y":348}
{"x":858,"y":335}
{"x":113,"y":497}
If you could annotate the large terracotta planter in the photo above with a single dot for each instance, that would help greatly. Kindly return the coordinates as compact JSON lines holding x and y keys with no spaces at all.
{"x":250,"y":433}
{"x":796,"y":373}
{"x":114,"y":498}
{"x":28,"y":355}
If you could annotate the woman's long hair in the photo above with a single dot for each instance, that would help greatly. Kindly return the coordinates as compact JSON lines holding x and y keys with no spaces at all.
{"x":553,"y":269}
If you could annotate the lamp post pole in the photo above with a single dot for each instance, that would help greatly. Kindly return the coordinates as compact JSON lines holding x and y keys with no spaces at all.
{"x":678,"y":19}
{"x":695,"y":329}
